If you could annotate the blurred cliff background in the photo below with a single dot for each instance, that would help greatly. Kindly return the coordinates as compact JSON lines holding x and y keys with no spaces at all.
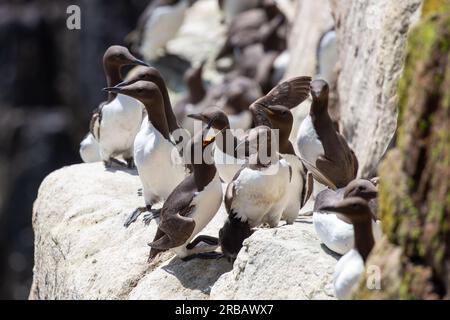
{"x":51,"y":81}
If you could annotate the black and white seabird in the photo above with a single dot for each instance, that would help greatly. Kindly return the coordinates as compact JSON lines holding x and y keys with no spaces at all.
{"x":258,"y":193}
{"x":117,"y":121}
{"x":158,"y":162}
{"x":191,"y":206}
{"x":321,"y":147}
{"x":334,"y":230}
{"x":350,"y":268}
{"x":301,"y":185}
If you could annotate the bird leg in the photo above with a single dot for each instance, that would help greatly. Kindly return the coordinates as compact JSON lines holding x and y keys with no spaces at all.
{"x":153,"y":214}
{"x":135,"y":214}
{"x":111,"y":161}
{"x":130,"y":163}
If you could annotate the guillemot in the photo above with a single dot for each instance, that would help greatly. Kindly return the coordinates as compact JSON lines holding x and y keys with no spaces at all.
{"x":158,"y":162}
{"x":191,"y":206}
{"x":118,"y":120}
{"x":321,"y":146}
{"x":350,"y":267}
{"x":334,"y":230}
{"x":258,"y":193}
{"x":301,"y":185}
{"x":159,"y":24}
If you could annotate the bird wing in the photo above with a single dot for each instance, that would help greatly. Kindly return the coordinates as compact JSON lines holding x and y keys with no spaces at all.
{"x":318,"y":175}
{"x":289,"y":93}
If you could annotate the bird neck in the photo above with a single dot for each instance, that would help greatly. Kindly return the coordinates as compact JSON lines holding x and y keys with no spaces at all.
{"x":364,"y":240}
{"x":157,"y":117}
{"x":113,"y":78}
{"x":227,"y":142}
{"x":203,"y":174}
{"x":170,"y":115}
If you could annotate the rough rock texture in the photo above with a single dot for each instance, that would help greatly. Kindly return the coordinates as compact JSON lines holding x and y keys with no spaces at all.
{"x":371,"y":40}
{"x":284,"y":263}
{"x":82,"y":250}
{"x":415,"y":177}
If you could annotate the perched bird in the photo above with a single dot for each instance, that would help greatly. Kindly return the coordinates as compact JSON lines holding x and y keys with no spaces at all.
{"x":89,"y":149}
{"x":350,"y":268}
{"x":158,"y":162}
{"x":321,"y":147}
{"x":191,"y":206}
{"x":334,"y":230}
{"x":116,"y":122}
{"x":159,"y":24}
{"x":258,"y":193}
{"x":300,"y":187}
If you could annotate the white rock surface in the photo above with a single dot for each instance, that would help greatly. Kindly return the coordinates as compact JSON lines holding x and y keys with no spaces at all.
{"x":371,"y":40}
{"x":82,"y":250}
{"x":284,"y":263}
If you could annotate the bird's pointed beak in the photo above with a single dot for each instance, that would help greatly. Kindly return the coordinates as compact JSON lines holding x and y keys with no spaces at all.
{"x":329,"y":208}
{"x":122,"y":84}
{"x":197,"y":116}
{"x":138,"y":62}
{"x":112,"y":89}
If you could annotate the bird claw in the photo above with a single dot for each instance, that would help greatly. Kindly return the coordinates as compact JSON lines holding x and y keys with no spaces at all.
{"x":133,"y":217}
{"x":153,"y":214}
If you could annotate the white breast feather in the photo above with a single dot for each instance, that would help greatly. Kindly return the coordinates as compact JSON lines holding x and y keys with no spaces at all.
{"x":308,"y":142}
{"x":121,"y":120}
{"x":206,"y":204}
{"x":158,"y":162}
{"x":257,"y":194}
{"x":89,"y":149}
{"x":338,"y":235}
{"x":347,"y":274}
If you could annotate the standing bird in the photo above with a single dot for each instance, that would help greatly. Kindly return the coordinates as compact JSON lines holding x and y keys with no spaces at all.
{"x":158,"y":162}
{"x":258,"y":193}
{"x":116,"y":122}
{"x":300,"y":187}
{"x":159,"y":24}
{"x":334,"y":230}
{"x":350,"y":268}
{"x":321,"y":146}
{"x":191,"y":206}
